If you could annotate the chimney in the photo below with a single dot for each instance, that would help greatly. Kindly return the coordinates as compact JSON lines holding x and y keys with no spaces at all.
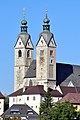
{"x":24,"y":88}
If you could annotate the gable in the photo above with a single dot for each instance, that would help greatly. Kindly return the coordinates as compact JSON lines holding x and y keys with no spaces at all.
{"x":52,"y":43}
{"x":19,"y":43}
{"x":70,"y":84}
{"x":29,"y":44}
{"x":41,"y":41}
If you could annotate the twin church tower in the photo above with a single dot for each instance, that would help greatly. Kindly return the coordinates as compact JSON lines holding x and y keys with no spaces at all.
{"x":30,"y":72}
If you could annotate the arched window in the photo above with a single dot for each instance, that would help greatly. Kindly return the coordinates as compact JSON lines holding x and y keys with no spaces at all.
{"x":19,"y":53}
{"x":28,"y":53}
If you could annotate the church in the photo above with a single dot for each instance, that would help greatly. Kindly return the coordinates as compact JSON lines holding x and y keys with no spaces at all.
{"x":44,"y":70}
{"x":33,"y":77}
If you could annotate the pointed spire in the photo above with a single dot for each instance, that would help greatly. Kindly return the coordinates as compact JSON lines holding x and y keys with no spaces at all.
{"x":24,"y":22}
{"x":46,"y":21}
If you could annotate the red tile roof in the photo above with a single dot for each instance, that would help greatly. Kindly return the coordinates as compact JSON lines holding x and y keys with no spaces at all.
{"x":67,"y":89}
{"x":72,"y":97}
{"x":56,"y":93}
{"x":39,"y":89}
{"x":1,"y":96}
{"x":29,"y":90}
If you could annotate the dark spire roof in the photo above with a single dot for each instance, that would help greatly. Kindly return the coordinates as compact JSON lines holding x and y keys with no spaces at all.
{"x":23,"y":26}
{"x":46,"y":25}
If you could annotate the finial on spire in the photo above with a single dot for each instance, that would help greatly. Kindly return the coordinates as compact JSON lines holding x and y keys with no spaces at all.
{"x":24,"y":12}
{"x":46,"y":21}
{"x":24,"y":22}
{"x":46,"y":12}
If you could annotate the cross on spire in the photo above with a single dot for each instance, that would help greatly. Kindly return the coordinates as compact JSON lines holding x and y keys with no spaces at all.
{"x":24,"y":22}
{"x":24,"y":12}
{"x":46,"y":21}
{"x":46,"y":13}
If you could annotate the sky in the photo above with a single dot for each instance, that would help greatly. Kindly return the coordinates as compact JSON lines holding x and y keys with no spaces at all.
{"x":64,"y":18}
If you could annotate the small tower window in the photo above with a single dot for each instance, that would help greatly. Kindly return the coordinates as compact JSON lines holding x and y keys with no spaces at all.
{"x":41,"y":52}
{"x":51,"y":60}
{"x":42,"y":41}
{"x":51,"y":52}
{"x":28,"y":53}
{"x":19,"y":43}
{"x":30,"y":83}
{"x":19,"y":53}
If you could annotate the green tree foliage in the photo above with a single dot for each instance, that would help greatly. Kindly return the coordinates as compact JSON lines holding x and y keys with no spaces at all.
{"x":12,"y":118}
{"x":45,"y":107}
{"x":57,"y":111}
{"x":63,"y":111}
{"x":78,"y":115}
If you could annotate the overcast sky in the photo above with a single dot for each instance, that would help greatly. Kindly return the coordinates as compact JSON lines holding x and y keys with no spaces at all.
{"x":64,"y":18}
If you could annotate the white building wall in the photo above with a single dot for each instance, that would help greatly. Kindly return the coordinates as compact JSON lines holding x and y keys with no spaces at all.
{"x":1,"y":106}
{"x":12,"y":100}
{"x":34,"y":103}
{"x":56,"y":99}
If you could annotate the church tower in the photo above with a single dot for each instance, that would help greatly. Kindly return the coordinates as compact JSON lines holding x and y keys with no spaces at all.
{"x":23,"y":50}
{"x":46,"y":57}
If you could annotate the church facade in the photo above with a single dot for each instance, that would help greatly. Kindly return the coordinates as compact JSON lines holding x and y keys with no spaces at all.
{"x":41,"y":71}
{"x":44,"y":70}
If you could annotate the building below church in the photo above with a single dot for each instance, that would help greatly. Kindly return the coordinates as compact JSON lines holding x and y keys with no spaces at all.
{"x":1,"y":103}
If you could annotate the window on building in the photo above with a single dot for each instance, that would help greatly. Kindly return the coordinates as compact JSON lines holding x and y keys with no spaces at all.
{"x":42,"y":41}
{"x":51,"y":52}
{"x":14,"y":111}
{"x":41,"y":52}
{"x":28,"y":53}
{"x":29,"y":111}
{"x":30,"y":82}
{"x":19,"y":68}
{"x":51,"y":60}
{"x":19,"y":53}
{"x":19,"y":99}
{"x":34,"y":98}
{"x":27,"y":98}
{"x":19,"y":43}
{"x":13,"y":99}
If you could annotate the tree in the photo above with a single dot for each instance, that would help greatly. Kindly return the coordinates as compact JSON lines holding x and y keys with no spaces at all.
{"x":63,"y":111}
{"x":45,"y":107}
{"x":57,"y":111}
